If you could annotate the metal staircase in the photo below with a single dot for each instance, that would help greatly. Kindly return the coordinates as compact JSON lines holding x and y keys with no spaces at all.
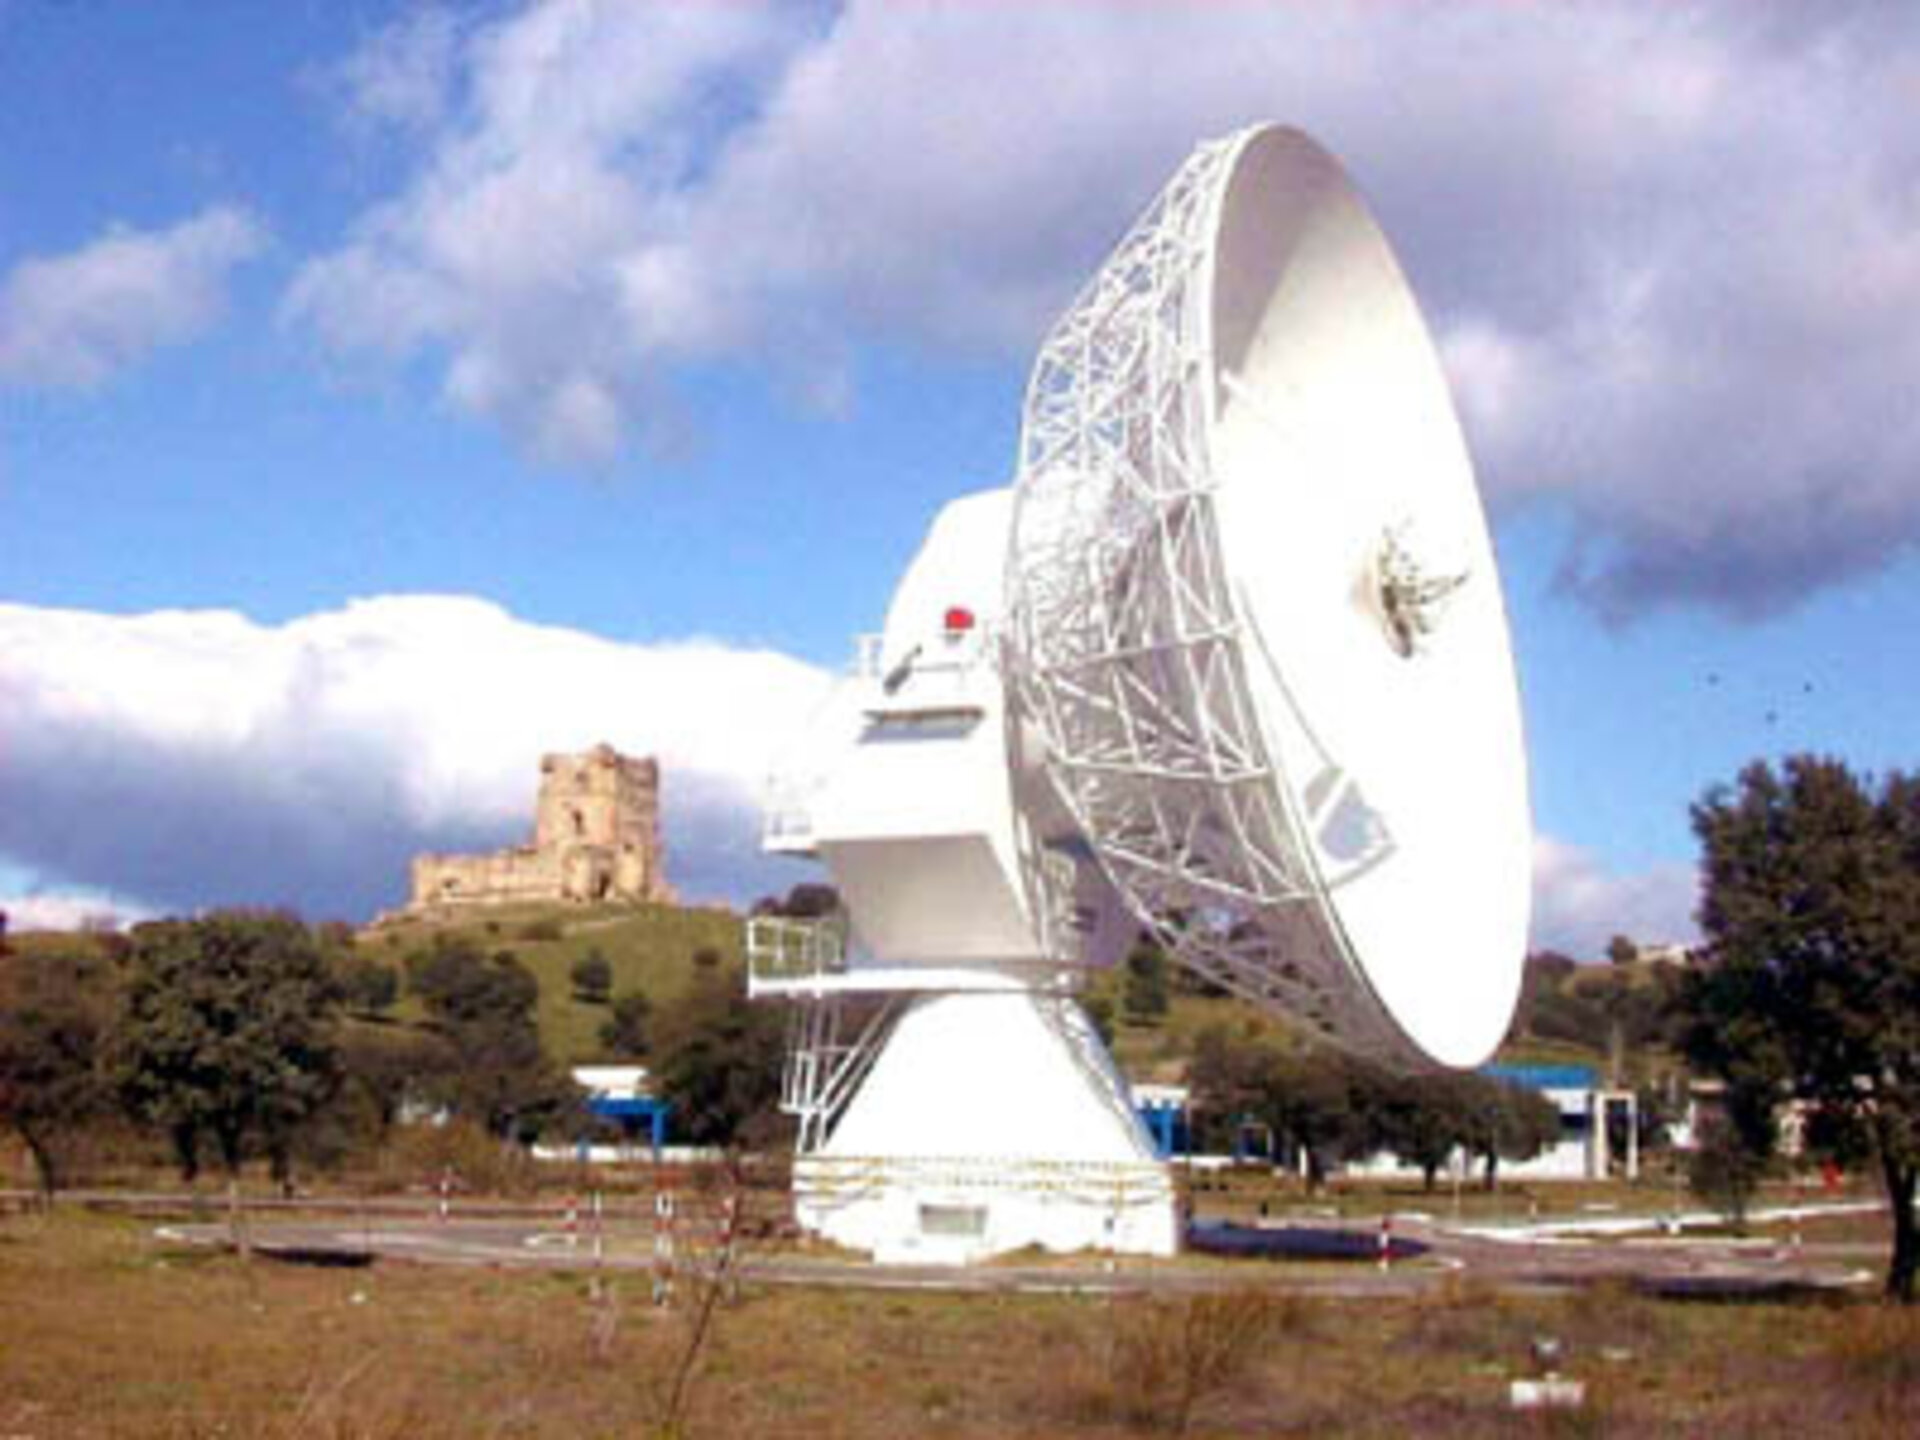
{"x":833,"y":1034}
{"x":832,"y":1041}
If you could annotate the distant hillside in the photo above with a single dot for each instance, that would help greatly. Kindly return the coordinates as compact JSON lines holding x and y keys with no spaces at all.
{"x":1568,"y":1015}
{"x":648,"y":947}
{"x":1567,"y":1012}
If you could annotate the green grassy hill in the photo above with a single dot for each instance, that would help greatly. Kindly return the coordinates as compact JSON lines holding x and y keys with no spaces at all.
{"x":649,"y":947}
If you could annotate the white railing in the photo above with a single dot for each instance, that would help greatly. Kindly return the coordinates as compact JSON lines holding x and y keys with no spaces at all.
{"x":782,"y":950}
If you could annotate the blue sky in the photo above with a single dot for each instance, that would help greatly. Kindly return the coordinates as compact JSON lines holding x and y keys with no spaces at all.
{"x":651,"y":336}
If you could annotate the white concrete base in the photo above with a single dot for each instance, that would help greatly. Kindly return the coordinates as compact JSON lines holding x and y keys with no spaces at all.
{"x":990,"y":1123}
{"x":950,"y":1213}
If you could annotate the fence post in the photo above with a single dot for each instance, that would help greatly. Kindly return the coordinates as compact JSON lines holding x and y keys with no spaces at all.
{"x":663,"y":1248}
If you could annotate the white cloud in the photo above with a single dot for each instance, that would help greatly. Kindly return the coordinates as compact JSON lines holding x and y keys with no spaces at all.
{"x":75,"y":319}
{"x":194,"y":757}
{"x":180,"y":759}
{"x":1673,"y":252}
{"x":563,"y":127}
{"x":404,"y":76}
{"x":1579,"y":904}
{"x":79,"y":910}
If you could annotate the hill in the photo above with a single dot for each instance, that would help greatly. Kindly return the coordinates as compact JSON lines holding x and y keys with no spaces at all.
{"x":1567,"y":1013}
{"x":648,"y":947}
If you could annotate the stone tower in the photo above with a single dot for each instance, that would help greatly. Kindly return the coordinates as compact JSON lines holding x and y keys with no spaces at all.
{"x":599,"y":798}
{"x":596,"y":837}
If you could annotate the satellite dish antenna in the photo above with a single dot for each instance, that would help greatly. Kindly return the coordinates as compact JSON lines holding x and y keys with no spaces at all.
{"x":1227,"y":663}
{"x":1255,"y":622}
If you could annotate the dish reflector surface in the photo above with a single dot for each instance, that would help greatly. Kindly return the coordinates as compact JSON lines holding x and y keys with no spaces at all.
{"x":1255,"y":619}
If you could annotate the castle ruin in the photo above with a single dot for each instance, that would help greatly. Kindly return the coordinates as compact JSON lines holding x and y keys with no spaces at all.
{"x":596,"y":837}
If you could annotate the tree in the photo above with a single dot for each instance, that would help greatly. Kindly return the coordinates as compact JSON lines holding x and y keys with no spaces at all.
{"x":1099,"y":1011}
{"x":1314,"y":1101}
{"x":368,"y":987}
{"x":459,"y":985}
{"x":335,"y":936}
{"x":592,"y":978}
{"x":1809,"y":983}
{"x":229,"y":1031}
{"x":1726,"y":1167}
{"x":1504,"y":1121}
{"x":1423,"y":1119}
{"x":625,"y":1030}
{"x":497,"y":1073}
{"x":810,"y":900}
{"x":1318,"y":1102}
{"x":53,"y":1014}
{"x":1230,"y":1081}
{"x":717,"y":1059}
{"x":1143,"y":992}
{"x":384,"y":1068}
{"x":1622,"y":951}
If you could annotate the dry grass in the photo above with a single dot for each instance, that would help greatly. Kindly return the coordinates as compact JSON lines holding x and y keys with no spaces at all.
{"x":1158,"y":1362}
{"x":106,"y":1332}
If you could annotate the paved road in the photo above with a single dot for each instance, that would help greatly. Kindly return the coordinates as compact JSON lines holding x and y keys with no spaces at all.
{"x":1662,"y":1266}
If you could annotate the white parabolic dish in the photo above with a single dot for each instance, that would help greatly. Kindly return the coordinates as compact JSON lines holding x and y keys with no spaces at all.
{"x":1255,"y":624}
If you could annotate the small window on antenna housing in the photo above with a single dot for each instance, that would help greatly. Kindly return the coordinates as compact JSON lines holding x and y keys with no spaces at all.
{"x":953,"y":1220}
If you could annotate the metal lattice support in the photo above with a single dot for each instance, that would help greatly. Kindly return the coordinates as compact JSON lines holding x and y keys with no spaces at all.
{"x":827,"y":1058}
{"x":1125,"y":645}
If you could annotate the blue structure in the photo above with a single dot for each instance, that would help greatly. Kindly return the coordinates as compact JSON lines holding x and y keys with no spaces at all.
{"x":630,"y":1112}
{"x":1543,"y":1077}
{"x":1163,"y":1110}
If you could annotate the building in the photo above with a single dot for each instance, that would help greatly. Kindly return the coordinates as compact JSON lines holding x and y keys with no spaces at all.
{"x":1166,"y":1111}
{"x":596,"y":837}
{"x":621,"y":1094}
{"x":1589,"y":1116}
{"x":1599,"y":1130}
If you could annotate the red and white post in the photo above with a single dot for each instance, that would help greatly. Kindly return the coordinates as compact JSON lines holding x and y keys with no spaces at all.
{"x":663,"y":1248}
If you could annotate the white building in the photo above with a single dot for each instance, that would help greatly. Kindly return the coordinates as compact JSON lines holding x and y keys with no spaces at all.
{"x":1585,"y":1149}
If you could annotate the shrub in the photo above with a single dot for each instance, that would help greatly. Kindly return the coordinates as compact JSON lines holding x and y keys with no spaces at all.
{"x":625,"y":1031}
{"x":592,"y":978}
{"x":481,"y":1164}
{"x":368,"y":987}
{"x":1166,"y":1358}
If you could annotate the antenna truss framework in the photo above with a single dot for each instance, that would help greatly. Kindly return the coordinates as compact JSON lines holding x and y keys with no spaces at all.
{"x":1126,"y":651}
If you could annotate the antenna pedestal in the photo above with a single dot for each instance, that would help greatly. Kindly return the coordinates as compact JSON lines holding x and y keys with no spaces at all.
{"x":990,"y":1122}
